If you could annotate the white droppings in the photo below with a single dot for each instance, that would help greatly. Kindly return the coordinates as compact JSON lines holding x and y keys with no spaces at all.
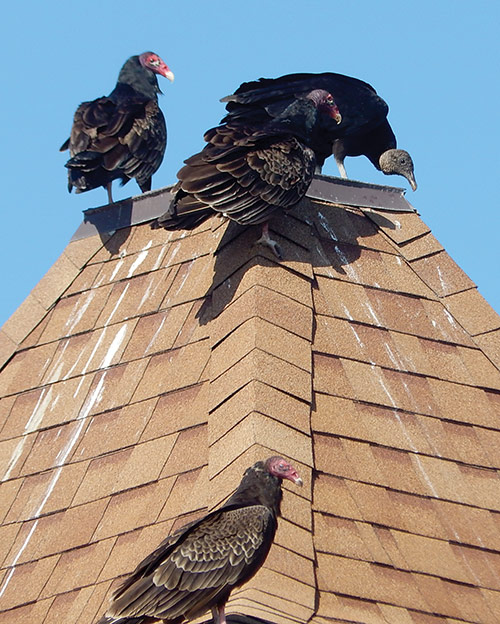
{"x":58,"y":365}
{"x":398,"y":260}
{"x":139,"y":260}
{"x":441,"y":279}
{"x":118,"y":266}
{"x":114,"y":346}
{"x":184,"y":279}
{"x":405,"y":432}
{"x":174,"y":253}
{"x":161,"y":255}
{"x":117,"y":304}
{"x":78,"y":312}
{"x":155,"y":335}
{"x":327,"y":226}
{"x":147,"y":292}
{"x":397,"y":224}
{"x":94,"y":398}
{"x":44,"y":401}
{"x":451,"y":320}
{"x":396,"y":361}
{"x":346,"y":311}
{"x":94,"y":350}
{"x":347,"y":265}
{"x":367,"y":305}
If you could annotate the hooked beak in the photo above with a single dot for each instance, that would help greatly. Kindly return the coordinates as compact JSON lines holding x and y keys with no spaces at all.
{"x":169,"y":74}
{"x":412,"y":181}
{"x":293,"y":475}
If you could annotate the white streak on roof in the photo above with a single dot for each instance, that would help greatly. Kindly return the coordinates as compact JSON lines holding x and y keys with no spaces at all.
{"x":58,"y":365}
{"x":120,"y":299}
{"x":147,"y":292}
{"x":78,"y":312}
{"x":118,"y":266}
{"x":115,"y":345}
{"x":62,"y":456}
{"x":163,"y":251}
{"x":372,"y":313}
{"x":441,"y":279}
{"x":174,"y":253}
{"x":139,"y":260}
{"x":407,"y":436}
{"x":327,"y":226}
{"x":44,"y":400}
{"x":153,"y":339}
{"x":96,"y":346}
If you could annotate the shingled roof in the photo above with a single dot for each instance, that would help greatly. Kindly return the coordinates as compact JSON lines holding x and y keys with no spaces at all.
{"x":148,"y":369}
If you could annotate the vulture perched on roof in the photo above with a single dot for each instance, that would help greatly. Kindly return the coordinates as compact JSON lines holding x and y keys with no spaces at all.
{"x":364,"y":129}
{"x":122,"y":135}
{"x":196,"y":568}
{"x":248,"y":171}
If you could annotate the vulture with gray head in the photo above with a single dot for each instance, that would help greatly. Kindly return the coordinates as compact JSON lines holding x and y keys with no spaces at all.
{"x":364,"y":129}
{"x":123,"y":135}
{"x":195,"y":569}
{"x":249,"y":171}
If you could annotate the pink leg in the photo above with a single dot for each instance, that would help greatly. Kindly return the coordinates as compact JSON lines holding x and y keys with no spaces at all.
{"x":266,"y":239}
{"x":219,"y":614}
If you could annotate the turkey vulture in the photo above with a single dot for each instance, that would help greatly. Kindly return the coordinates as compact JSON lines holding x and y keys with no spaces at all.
{"x":122,"y":135}
{"x":196,"y":568}
{"x":247,"y":172}
{"x":364,"y":129}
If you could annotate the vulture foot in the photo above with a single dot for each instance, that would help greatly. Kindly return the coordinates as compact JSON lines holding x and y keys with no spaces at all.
{"x":267,"y":241}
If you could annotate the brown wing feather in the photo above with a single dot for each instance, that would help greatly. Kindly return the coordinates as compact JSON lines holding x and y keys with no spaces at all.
{"x":109,"y":141}
{"x":193,"y":570}
{"x":245,"y":176}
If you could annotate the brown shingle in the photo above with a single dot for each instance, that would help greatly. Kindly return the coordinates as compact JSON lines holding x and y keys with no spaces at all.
{"x":114,"y":430}
{"x":78,"y":567}
{"x":178,"y":410}
{"x":442,"y":274}
{"x":261,"y":366}
{"x":24,"y":319}
{"x":131,"y":509}
{"x":27,"y":582}
{"x":173,"y":370}
{"x":268,"y":305}
{"x":189,"y":451}
{"x":25,"y":369}
{"x":257,"y":333}
{"x":473,"y":312}
{"x":62,"y":484}
{"x":263,"y":399}
{"x":130,"y":548}
{"x":57,"y":532}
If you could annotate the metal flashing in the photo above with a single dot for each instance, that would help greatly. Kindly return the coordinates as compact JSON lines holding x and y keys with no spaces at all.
{"x":146,"y":207}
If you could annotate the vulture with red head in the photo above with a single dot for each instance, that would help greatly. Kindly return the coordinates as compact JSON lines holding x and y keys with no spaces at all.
{"x":195,"y":569}
{"x":123,"y":135}
{"x":364,"y":129}
{"x":249,"y":171}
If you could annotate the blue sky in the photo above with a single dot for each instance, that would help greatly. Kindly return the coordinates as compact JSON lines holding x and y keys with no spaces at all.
{"x":435,"y":63}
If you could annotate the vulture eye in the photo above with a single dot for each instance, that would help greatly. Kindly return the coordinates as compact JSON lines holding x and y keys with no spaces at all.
{"x":402,"y":161}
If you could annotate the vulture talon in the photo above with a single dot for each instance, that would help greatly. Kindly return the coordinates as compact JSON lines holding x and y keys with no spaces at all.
{"x":266,"y":241}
